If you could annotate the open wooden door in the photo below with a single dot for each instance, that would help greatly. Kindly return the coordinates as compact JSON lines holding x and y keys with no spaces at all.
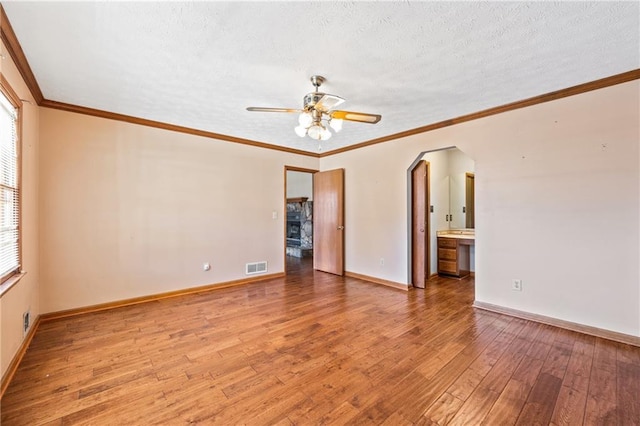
{"x":470,"y":200}
{"x":328,"y":221}
{"x":420,"y":253}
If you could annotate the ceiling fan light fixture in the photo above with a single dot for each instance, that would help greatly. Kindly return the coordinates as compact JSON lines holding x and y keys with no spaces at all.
{"x":336,"y":124}
{"x":305,"y":119}
{"x":325,"y":134}
{"x":318,"y":114}
{"x":315,"y":132}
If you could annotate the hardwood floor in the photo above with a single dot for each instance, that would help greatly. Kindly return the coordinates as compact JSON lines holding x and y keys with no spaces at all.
{"x":314,"y":348}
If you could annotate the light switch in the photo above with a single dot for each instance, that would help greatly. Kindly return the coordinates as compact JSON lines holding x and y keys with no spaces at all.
{"x":274,"y":214}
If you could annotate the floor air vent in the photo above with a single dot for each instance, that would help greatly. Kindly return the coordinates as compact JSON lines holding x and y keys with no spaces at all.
{"x":256,"y":268}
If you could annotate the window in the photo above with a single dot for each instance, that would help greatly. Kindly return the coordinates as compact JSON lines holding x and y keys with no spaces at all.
{"x":9,"y":182}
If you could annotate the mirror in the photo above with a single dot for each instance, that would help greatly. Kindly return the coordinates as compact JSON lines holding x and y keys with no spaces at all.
{"x":461,"y":189}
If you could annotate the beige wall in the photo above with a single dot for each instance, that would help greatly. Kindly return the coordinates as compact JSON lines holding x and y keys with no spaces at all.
{"x":129,"y":210}
{"x":24,"y":295}
{"x":554,"y":207}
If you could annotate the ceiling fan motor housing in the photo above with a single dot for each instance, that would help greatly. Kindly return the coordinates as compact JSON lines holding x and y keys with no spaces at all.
{"x":311,"y":99}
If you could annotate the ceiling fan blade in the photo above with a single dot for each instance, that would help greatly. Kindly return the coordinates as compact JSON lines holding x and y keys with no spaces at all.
{"x":360,"y":117}
{"x":262,"y":109}
{"x":328,"y":102}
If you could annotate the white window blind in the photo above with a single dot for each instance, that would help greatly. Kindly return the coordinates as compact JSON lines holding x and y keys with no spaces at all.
{"x":9,"y":191}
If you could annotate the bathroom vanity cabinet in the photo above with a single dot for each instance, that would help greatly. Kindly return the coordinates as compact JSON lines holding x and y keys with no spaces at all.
{"x":453,"y":255}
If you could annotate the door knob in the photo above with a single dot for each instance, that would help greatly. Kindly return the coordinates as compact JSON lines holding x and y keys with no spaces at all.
{"x":421,"y":230}
{"x":340,"y":228}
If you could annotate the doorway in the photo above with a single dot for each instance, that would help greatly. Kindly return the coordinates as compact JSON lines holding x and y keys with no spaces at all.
{"x":445,"y":205}
{"x":298,"y":218}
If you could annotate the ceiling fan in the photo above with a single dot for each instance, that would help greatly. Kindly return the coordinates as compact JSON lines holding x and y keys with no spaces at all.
{"x":317,"y":114}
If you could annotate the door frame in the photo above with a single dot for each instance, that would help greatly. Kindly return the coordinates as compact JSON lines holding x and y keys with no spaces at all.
{"x":284,"y":216}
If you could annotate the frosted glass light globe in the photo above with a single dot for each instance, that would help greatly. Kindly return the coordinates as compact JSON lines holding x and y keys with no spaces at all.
{"x":300,"y":131}
{"x":325,"y":134}
{"x":305,"y":119}
{"x":315,"y":132}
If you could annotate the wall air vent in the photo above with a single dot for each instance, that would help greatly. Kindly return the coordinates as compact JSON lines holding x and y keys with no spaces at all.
{"x":256,"y":268}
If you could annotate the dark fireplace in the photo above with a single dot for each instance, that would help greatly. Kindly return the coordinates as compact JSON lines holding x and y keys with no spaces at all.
{"x":293,"y":228}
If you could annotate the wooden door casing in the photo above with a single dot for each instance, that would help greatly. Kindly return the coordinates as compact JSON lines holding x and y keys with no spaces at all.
{"x":328,"y":221}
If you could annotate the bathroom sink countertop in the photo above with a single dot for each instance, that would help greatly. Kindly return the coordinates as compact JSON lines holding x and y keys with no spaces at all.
{"x":464,"y":234}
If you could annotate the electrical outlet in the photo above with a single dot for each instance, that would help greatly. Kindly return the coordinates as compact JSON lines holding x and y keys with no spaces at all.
{"x":516,"y":285}
{"x":206,"y":266}
{"x":26,"y":322}
{"x":382,"y":261}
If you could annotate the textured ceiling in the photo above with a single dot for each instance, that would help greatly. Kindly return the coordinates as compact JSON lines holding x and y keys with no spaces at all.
{"x":200,"y":65}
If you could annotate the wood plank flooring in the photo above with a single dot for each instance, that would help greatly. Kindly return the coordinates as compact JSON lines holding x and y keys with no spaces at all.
{"x":313,"y":348}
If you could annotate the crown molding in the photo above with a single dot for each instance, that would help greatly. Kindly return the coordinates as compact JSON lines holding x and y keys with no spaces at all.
{"x":547,"y":97}
{"x":166,"y":126}
{"x":15,"y":50}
